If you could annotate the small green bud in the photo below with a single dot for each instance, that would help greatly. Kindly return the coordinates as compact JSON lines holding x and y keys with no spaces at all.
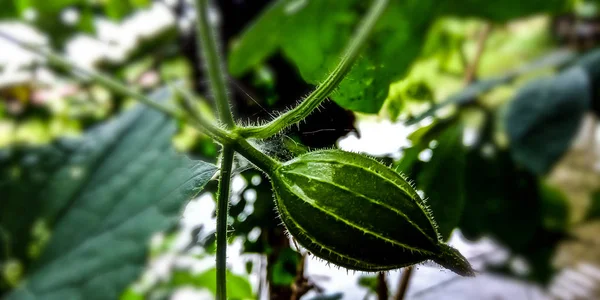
{"x":353,"y":211}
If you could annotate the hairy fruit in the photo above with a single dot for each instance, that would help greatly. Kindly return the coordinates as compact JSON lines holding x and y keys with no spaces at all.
{"x":354,"y":212}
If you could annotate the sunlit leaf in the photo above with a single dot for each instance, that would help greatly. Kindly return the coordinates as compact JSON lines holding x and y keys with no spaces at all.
{"x":312,"y":35}
{"x":238,"y":287}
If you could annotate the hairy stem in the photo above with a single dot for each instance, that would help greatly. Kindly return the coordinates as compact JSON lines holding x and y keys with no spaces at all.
{"x":309,"y":104}
{"x":207,"y":43}
{"x":222,"y":215}
{"x":102,"y":79}
{"x":223,"y":136}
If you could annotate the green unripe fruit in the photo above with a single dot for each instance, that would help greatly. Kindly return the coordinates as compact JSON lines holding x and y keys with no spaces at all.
{"x":353,"y":211}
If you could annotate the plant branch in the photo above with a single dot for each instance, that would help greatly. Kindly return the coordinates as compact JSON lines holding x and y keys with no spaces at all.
{"x":99,"y":77}
{"x":382,"y":287}
{"x":404,"y":280}
{"x":222,"y":215}
{"x":313,"y":100}
{"x":471,"y":72}
{"x":207,"y":43}
{"x":259,"y":159}
{"x":220,"y":135}
{"x":469,"y":94}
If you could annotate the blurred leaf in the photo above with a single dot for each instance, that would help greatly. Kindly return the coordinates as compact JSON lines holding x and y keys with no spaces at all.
{"x":591,"y":64}
{"x":500,"y":11}
{"x":544,"y":117}
{"x":284,"y":269}
{"x":312,"y":35}
{"x":466,"y":96}
{"x":238,"y":286}
{"x":369,"y":282}
{"x":500,"y":201}
{"x":131,"y":294}
{"x":555,"y":208}
{"x":117,"y":9}
{"x":594,"y":209}
{"x":407,"y":92}
{"x":406,"y":163}
{"x":260,"y":39}
{"x":442,"y":179}
{"x":539,"y":255}
{"x":10,"y":9}
{"x":86,"y":20}
{"x":103,"y":196}
{"x":53,"y":6}
{"x":472,"y":92}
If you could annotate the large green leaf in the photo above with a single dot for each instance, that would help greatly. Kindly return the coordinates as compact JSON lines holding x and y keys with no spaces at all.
{"x":544,"y":117}
{"x":442,"y":179}
{"x":313,"y":34}
{"x":102,"y":196}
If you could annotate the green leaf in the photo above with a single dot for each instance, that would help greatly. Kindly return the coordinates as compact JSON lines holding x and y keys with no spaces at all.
{"x":544,"y":117}
{"x":103,"y":196}
{"x":369,"y":282}
{"x":394,"y":45}
{"x":284,"y":269}
{"x":117,"y":9}
{"x":261,"y":39}
{"x":554,"y":208}
{"x":10,"y":9}
{"x":594,"y":209}
{"x":238,"y":286}
{"x":472,"y":92}
{"x":313,"y":34}
{"x":55,"y":6}
{"x":500,"y":11}
{"x":442,"y":179}
{"x":500,"y":201}
{"x":591,"y":63}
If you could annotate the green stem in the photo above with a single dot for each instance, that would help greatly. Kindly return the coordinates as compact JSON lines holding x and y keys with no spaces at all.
{"x":239,"y":144}
{"x":255,"y":156}
{"x":309,"y":104}
{"x":222,"y":215}
{"x":100,"y":78}
{"x":207,"y":42}
{"x":224,"y":137}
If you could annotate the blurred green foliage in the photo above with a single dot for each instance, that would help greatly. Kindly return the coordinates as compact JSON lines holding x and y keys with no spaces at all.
{"x":96,"y":200}
{"x":412,"y":69}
